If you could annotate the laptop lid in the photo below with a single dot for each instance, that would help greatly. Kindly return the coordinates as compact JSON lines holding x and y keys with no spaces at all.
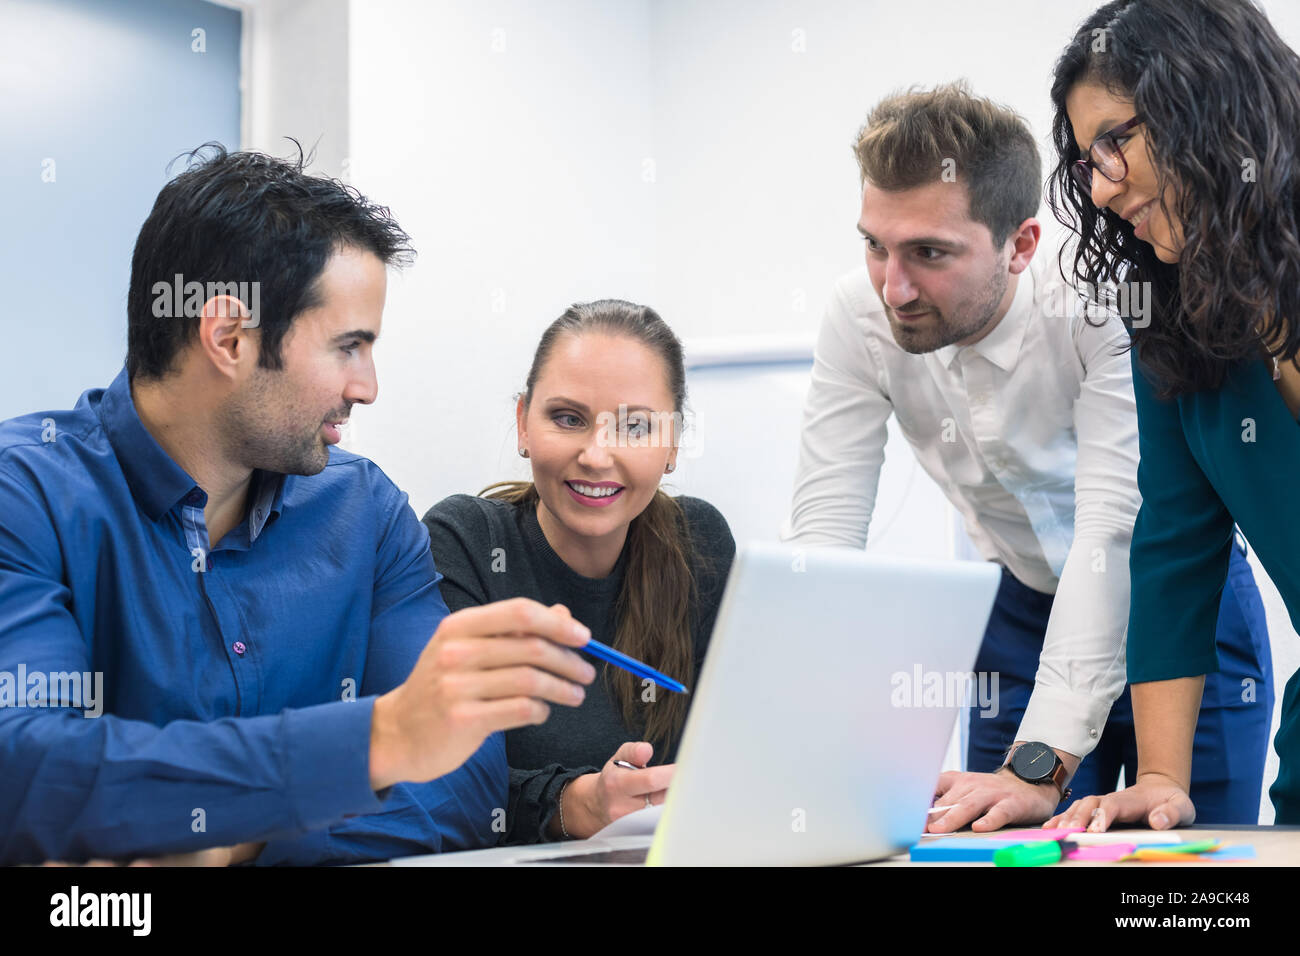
{"x":824,"y":707}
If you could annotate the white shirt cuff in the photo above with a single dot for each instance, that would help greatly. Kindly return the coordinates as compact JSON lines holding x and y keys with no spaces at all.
{"x":1064,"y":719}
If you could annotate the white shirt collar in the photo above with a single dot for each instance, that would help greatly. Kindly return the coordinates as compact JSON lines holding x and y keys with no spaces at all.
{"x":1002,"y":345}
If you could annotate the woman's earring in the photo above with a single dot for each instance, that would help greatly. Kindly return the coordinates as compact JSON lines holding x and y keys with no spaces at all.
{"x":669,"y":469}
{"x":523,"y":453}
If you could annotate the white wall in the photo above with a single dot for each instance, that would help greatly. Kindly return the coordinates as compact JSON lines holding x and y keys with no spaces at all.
{"x":297,"y":79}
{"x":691,"y":155}
{"x":507,"y":138}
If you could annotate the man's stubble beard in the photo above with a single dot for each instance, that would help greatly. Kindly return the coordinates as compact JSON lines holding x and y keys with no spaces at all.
{"x":255,"y":433}
{"x":941,"y":332}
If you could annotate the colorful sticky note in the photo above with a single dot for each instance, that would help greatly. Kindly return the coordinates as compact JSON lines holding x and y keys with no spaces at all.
{"x":960,"y":850}
{"x":1109,"y":852}
{"x":1225,"y":853}
{"x":1200,"y":846}
{"x":1175,"y":854}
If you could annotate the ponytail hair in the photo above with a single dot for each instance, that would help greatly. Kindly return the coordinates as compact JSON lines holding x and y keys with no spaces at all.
{"x":653,"y":610}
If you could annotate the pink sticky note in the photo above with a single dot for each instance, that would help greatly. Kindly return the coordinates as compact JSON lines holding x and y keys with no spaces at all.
{"x":1028,"y":835}
{"x":1109,"y":852}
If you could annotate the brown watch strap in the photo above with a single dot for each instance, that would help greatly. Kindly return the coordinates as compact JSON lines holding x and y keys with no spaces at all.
{"x":1059,"y":776}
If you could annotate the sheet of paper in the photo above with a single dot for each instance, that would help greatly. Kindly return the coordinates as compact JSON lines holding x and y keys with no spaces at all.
{"x":637,"y":823}
{"x":1136,"y":837}
{"x":1029,"y":836}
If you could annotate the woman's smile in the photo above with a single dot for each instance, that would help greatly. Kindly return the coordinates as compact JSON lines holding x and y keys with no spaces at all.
{"x":600,"y":494}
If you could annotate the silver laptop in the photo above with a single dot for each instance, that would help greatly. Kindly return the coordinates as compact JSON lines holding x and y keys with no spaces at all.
{"x":820,"y":720}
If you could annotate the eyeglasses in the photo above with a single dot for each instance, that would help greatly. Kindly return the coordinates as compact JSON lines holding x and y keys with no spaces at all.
{"x":1104,"y":155}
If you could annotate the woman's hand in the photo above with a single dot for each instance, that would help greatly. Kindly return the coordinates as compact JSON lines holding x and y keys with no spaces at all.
{"x":595,"y":800}
{"x":1156,"y":800}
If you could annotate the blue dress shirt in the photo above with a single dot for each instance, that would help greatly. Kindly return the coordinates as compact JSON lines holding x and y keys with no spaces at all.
{"x":238,"y":679}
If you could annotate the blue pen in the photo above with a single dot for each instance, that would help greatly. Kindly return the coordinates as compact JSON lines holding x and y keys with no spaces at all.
{"x":632,"y":665}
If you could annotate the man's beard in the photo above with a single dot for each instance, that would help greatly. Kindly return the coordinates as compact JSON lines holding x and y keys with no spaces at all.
{"x":255,"y":437}
{"x":285,"y":453}
{"x":939,"y":330}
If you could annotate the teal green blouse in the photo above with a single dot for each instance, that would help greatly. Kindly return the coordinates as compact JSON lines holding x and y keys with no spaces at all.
{"x":1208,"y":460}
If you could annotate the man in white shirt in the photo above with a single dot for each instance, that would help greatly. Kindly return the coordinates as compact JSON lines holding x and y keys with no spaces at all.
{"x":1017,"y":398}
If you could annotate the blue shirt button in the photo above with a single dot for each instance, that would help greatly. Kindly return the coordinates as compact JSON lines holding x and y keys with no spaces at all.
{"x":239,"y":648}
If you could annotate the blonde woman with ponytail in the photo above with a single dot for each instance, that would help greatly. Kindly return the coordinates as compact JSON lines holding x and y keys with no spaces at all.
{"x":600,"y":422}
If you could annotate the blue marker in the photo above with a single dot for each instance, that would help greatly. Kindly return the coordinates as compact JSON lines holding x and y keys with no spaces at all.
{"x":632,"y":666}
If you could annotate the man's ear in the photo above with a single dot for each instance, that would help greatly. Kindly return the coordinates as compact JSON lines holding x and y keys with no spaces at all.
{"x":1023,"y":243}
{"x":223,"y":337}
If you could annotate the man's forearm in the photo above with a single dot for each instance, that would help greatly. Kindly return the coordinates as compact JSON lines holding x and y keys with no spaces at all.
{"x":1081,"y":667}
{"x":1164,"y":718}
{"x":193,"y":785}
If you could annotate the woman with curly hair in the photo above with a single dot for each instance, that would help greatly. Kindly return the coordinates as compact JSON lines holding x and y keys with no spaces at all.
{"x":1176,"y":136}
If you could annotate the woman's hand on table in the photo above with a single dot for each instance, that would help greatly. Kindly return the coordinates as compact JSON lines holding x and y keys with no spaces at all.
{"x":1155,"y":800}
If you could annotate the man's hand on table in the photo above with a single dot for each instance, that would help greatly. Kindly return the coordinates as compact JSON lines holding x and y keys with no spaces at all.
{"x":990,"y":801}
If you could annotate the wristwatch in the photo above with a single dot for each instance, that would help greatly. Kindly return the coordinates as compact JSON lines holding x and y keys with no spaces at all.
{"x":1035,"y":762}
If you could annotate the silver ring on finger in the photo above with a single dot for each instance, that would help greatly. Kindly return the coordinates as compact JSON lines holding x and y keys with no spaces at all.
{"x":647,"y":801}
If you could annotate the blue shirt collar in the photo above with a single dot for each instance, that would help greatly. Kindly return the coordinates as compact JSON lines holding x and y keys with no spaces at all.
{"x":156,"y":481}
{"x":265,"y":499}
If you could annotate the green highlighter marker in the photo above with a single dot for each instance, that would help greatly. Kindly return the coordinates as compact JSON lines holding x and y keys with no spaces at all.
{"x":1046,"y":852}
{"x":1038,"y":853}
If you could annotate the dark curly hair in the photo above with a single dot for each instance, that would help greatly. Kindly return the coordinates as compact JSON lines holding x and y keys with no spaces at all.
{"x":246,"y":217}
{"x":1215,"y":86}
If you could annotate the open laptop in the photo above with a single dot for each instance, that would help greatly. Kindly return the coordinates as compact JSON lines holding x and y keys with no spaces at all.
{"x":820,"y":720}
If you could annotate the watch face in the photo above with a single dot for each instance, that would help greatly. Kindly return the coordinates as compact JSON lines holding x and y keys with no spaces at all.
{"x":1034,"y":761}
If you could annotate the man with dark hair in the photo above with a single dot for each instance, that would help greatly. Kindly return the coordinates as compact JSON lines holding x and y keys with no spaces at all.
{"x":1017,"y":399}
{"x":216,"y":630}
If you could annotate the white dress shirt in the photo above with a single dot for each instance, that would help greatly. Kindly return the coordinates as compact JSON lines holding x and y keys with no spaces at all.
{"x":1032,"y":434}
